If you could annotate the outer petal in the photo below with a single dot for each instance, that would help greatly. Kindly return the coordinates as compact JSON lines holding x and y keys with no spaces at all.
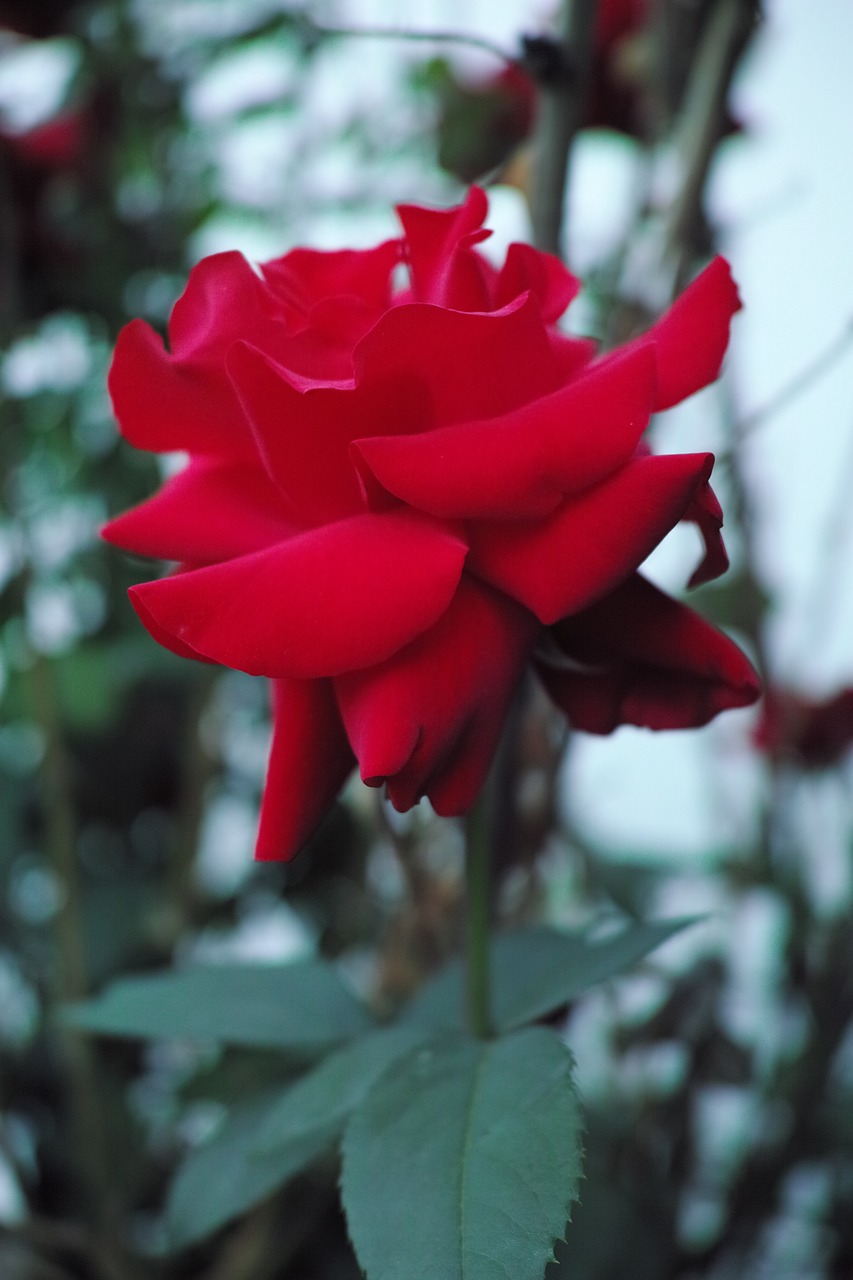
{"x":521,"y":465}
{"x":303,"y":437}
{"x":692,"y":337}
{"x":164,"y":405}
{"x":183,"y":400}
{"x":706,"y":512}
{"x":225,"y":298}
{"x":210,"y":511}
{"x":310,"y":759}
{"x":427,"y":721}
{"x":639,"y":657}
{"x":444,"y":267}
{"x":476,"y":366}
{"x":593,"y":542}
{"x":334,"y":599}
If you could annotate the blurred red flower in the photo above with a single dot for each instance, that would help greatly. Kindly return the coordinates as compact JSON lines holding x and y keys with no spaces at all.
{"x":813,"y":734}
{"x":482,"y":122}
{"x":396,"y":500}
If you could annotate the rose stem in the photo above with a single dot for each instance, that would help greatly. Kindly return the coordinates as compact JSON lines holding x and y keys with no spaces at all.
{"x":477,"y":830}
{"x":560,"y":101}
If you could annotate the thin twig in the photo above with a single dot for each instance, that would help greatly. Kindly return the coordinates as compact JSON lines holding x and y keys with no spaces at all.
{"x":800,"y":382}
{"x":322,"y":30}
{"x":703,"y":118}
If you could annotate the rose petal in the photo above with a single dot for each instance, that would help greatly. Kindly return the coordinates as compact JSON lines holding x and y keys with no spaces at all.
{"x":166,"y":638}
{"x":475,"y":366}
{"x":210,"y":511}
{"x":639,"y":657}
{"x":692,"y":337}
{"x":336,"y":598}
{"x":706,"y":512}
{"x":303,"y":437}
{"x":304,"y":277}
{"x":428,"y":720}
{"x":183,"y":400}
{"x":439,"y":246}
{"x":310,"y":759}
{"x":593,"y":542}
{"x":526,"y":269}
{"x":164,"y":406}
{"x":225,"y":299}
{"x":521,"y":465}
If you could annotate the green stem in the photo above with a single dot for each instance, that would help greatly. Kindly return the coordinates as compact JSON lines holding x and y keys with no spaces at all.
{"x":477,"y":885}
{"x":559,"y":113}
{"x":323,"y":29}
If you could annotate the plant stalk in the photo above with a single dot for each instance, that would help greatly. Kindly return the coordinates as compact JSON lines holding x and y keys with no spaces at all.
{"x":477,"y":831}
{"x":559,"y":112}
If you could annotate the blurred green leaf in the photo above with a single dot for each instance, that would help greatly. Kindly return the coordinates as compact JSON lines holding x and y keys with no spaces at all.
{"x":322,"y":1101}
{"x":464,"y":1160}
{"x":536,"y":971}
{"x":300,"y":1006}
{"x":222,"y":1178}
{"x":273,"y":1137}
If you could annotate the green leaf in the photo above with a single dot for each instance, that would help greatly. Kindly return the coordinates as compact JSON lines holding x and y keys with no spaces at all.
{"x":535,"y":971}
{"x":323,"y":1100}
{"x":269,"y":1140}
{"x":463,"y":1161}
{"x":222,"y":1178}
{"x":302,"y":1006}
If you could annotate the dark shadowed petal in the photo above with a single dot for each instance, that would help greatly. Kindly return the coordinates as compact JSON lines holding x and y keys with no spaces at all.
{"x":439,"y":247}
{"x":427,"y":721}
{"x":692,"y":337}
{"x":310,"y":759}
{"x":334,"y":599}
{"x":707,"y":514}
{"x":210,"y":511}
{"x":476,"y":366}
{"x":303,"y":437}
{"x":521,"y":465}
{"x":593,"y":542}
{"x":639,"y":657}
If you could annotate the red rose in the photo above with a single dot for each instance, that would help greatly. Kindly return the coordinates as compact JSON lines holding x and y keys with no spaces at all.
{"x":397,"y":498}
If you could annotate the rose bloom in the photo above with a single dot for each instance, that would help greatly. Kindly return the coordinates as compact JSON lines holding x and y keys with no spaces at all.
{"x":398,"y":498}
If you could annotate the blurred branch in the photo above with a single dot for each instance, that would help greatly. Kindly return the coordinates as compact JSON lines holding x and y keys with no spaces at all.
{"x":562,"y":82}
{"x":319,"y":30}
{"x":197,"y":770}
{"x":60,"y":831}
{"x":702,"y":124}
{"x":70,"y":978}
{"x":50,"y":1236}
{"x":800,"y":382}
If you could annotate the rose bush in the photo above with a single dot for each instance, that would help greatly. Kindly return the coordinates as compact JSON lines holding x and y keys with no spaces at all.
{"x":399,"y":496}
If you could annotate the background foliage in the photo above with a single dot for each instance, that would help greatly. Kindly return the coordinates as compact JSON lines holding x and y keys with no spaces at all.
{"x":717,"y":1079}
